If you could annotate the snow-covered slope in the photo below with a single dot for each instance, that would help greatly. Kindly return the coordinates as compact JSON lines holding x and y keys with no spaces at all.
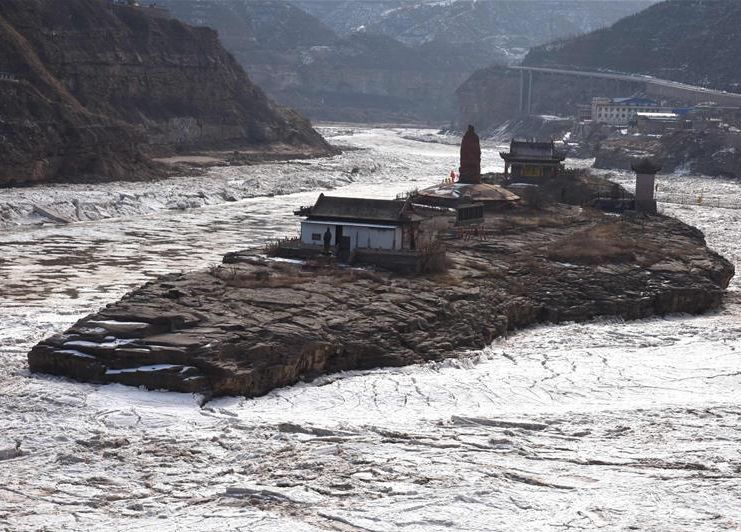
{"x":500,"y":27}
{"x":386,"y":61}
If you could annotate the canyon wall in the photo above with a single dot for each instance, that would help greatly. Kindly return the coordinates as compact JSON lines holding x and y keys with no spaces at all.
{"x":367,"y":61}
{"x":94,"y":89}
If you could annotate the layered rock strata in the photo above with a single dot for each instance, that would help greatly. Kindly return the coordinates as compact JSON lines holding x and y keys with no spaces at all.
{"x":397,"y":62}
{"x":245,"y":329}
{"x":712,"y":152}
{"x":91,"y":88}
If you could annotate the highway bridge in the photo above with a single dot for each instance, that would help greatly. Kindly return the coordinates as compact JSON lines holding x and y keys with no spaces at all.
{"x":653,"y":87}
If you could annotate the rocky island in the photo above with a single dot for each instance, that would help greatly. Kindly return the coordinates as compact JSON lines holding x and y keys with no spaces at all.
{"x":247,"y":328}
{"x":259,"y":323}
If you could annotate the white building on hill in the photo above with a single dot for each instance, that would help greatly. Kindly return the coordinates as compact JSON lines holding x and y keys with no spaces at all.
{"x":620,"y":111}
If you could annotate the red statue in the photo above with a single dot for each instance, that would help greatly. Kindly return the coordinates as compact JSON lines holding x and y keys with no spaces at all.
{"x":470,"y":170}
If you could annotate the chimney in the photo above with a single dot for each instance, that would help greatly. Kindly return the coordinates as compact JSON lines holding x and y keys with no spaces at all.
{"x":645,"y":170}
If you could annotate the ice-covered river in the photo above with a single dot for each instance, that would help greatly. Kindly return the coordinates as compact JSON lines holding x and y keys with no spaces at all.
{"x":605,"y":425}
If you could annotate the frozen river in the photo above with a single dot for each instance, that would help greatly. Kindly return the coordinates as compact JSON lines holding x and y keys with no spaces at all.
{"x":610,"y":425}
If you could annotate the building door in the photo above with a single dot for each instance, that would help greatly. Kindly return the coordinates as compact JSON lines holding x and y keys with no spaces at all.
{"x":337,"y":235}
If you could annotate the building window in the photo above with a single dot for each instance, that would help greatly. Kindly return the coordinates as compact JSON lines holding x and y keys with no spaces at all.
{"x":532,"y":171}
{"x":316,"y":236}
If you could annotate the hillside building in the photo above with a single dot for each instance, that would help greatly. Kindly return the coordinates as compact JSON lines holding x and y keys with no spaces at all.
{"x":150,"y":8}
{"x":621,"y":111}
{"x":583,"y":112}
{"x":660,"y":123}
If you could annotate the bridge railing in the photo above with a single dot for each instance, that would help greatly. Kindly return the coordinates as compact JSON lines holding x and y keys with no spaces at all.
{"x":700,"y":200}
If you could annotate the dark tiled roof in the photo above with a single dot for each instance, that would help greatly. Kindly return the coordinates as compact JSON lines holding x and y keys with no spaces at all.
{"x":479,"y":193}
{"x":374,"y":210}
{"x":532,"y":151}
{"x":523,"y":148}
{"x":635,"y":101}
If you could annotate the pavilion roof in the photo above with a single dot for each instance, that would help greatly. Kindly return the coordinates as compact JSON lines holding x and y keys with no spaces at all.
{"x":362,"y":209}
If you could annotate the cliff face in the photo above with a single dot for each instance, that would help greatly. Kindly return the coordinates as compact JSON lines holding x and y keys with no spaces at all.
{"x":304,"y":64}
{"x":712,"y":153}
{"x":96,"y":88}
{"x":46,"y":132}
{"x":383,"y":61}
{"x":692,"y":41}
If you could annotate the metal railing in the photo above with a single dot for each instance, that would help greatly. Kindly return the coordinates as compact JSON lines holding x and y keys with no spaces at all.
{"x":699,"y":200}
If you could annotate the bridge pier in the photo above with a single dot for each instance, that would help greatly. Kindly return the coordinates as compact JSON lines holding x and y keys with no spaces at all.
{"x":627,"y":84}
{"x":522,"y":91}
{"x":526,"y":92}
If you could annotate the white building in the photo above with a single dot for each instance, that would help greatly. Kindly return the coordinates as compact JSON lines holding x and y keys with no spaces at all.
{"x":360,"y":223}
{"x":659,"y":123}
{"x":621,"y":111}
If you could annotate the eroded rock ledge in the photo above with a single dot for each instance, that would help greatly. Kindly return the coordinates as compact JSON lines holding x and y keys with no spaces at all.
{"x":245,"y":329}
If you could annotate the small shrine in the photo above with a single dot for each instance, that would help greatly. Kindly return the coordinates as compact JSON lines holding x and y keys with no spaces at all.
{"x":359,"y":223}
{"x":531,"y":159}
{"x":468,"y":196}
{"x":470,"y":169}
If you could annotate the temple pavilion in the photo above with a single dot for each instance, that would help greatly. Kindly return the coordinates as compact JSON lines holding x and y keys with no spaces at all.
{"x":531,"y":159}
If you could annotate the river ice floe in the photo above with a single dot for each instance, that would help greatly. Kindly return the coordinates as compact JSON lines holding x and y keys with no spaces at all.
{"x":606,"y":425}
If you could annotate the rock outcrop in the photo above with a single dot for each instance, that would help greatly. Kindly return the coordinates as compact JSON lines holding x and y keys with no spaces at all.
{"x":247,"y":328}
{"x":710,"y":152}
{"x":302,"y":63}
{"x":93,"y":89}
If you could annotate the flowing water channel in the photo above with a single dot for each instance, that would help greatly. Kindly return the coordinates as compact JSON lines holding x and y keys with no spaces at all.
{"x":606,"y":425}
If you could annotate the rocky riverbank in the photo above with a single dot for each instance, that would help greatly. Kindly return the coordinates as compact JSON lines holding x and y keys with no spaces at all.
{"x":712,"y":153}
{"x":245,"y":329}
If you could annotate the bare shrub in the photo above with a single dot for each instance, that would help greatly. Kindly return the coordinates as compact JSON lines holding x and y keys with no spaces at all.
{"x":271,"y":249}
{"x":601,"y":244}
{"x":430,"y":247}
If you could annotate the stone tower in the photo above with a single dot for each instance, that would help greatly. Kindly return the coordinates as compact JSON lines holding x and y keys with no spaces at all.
{"x":645,"y":170}
{"x":470,"y":169}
